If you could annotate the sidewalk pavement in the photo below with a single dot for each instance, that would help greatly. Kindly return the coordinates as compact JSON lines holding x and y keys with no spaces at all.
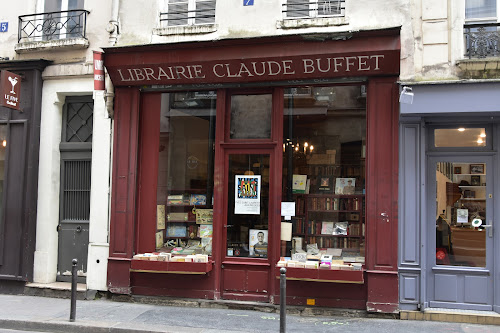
{"x":23,"y":312}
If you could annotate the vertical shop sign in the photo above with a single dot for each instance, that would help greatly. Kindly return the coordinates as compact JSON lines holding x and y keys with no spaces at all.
{"x":98,"y":71}
{"x":247,"y":194}
{"x":11,"y":90}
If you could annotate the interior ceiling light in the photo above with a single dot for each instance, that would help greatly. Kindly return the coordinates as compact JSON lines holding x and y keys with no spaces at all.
{"x":461,"y":129}
{"x":483,"y":135}
{"x":479,"y":140}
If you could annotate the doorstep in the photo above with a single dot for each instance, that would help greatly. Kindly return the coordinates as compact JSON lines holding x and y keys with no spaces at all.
{"x":58,"y":290}
{"x":453,"y":315}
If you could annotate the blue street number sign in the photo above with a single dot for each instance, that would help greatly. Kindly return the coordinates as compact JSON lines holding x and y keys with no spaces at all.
{"x":4,"y":26}
{"x":247,"y":2}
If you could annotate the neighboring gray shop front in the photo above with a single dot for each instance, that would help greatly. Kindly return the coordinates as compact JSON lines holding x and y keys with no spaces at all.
{"x":449,"y":249}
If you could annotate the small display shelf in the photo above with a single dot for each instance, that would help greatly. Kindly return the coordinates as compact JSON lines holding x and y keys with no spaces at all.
{"x":171,"y":267}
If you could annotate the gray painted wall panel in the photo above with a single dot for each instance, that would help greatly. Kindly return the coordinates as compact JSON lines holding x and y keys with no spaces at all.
{"x":409,"y":288}
{"x":476,"y":289}
{"x":453,"y":98}
{"x":410,"y":210}
{"x":445,"y":288}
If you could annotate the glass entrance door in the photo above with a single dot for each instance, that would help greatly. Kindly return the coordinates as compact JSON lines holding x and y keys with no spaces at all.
{"x":247,"y":207}
{"x":462,"y":227}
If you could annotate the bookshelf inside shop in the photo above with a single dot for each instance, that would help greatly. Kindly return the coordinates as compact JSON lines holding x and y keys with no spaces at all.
{"x":328,"y":229}
{"x":332,"y":222}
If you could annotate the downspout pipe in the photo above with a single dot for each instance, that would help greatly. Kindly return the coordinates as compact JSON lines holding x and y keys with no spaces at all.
{"x":113,"y":28}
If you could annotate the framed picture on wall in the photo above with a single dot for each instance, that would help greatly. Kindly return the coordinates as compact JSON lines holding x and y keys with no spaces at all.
{"x":477,"y":169}
{"x":475,"y":180}
{"x":457,"y":170}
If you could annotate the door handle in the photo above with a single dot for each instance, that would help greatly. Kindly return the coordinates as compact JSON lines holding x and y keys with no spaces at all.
{"x":490,"y":229}
{"x":79,"y":228}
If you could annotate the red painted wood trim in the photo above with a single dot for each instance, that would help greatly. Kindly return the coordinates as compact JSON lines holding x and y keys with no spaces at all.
{"x":324,"y":275}
{"x":126,"y":123}
{"x":382,"y":192}
{"x":219,"y":217}
{"x":149,"y":145}
{"x":123,"y":196}
{"x":246,"y":263}
{"x":170,"y":266}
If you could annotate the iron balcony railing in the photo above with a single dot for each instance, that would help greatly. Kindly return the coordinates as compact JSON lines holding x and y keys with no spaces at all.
{"x":482,"y":40}
{"x":52,"y":25}
{"x":295,"y":9}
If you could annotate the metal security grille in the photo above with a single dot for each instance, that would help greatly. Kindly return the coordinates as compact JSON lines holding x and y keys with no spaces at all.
{"x":76,"y":191}
{"x":78,"y":125}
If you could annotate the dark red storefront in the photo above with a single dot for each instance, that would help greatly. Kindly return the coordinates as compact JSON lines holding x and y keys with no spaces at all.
{"x":251,"y":98}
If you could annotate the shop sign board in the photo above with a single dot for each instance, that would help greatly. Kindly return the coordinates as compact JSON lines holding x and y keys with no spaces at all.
{"x":10,"y":86}
{"x":291,"y":59}
{"x":255,"y":69}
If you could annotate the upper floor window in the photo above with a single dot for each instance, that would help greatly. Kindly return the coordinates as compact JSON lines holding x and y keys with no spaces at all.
{"x":480,"y":9}
{"x":296,"y":9}
{"x":482,"y":29}
{"x":188,"y":12}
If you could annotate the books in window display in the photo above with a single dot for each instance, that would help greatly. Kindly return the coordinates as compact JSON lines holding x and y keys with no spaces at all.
{"x":176,"y":200}
{"x":176,"y":231}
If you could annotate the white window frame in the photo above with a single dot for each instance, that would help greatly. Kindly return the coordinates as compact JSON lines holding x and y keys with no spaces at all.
{"x":191,"y":20}
{"x":314,"y":9}
{"x":491,"y":19}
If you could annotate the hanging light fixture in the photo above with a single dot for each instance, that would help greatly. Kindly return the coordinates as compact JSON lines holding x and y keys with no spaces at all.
{"x":4,"y":143}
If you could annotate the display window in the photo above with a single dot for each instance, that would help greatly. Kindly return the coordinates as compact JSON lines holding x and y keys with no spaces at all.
{"x":324,"y":150}
{"x":185,"y":173}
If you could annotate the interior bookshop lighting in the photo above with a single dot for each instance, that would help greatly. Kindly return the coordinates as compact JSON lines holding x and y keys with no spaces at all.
{"x":461,"y":129}
{"x":306,"y":146}
{"x":4,"y":143}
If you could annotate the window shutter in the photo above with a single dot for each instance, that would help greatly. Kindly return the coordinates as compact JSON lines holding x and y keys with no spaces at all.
{"x":205,"y":12}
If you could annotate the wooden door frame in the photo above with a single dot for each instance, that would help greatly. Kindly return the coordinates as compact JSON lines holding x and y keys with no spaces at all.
{"x":225,"y":146}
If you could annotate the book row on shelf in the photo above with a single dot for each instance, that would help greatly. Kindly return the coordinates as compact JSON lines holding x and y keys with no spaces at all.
{"x":334,"y":242}
{"x":328,"y":203}
{"x":327,"y":228}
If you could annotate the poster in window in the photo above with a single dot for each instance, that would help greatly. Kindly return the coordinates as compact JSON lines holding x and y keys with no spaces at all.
{"x":247,"y":194}
{"x":258,"y":243}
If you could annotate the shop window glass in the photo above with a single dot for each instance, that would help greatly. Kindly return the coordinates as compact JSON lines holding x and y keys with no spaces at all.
{"x":324,"y":149}
{"x":251,"y":116}
{"x":460,"y":137}
{"x":461,"y":225}
{"x":185,"y":173}
{"x":248,"y":226}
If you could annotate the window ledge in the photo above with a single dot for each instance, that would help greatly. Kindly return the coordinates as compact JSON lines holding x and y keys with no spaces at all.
{"x":52,"y":45}
{"x":479,"y":64}
{"x":312,"y":22}
{"x":186,"y":30}
{"x":485,"y":68}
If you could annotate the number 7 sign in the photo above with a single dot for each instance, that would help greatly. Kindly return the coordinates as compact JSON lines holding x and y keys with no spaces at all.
{"x":247,"y":2}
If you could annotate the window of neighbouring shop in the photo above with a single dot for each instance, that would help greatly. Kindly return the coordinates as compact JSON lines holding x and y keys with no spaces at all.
{"x":185,"y":173}
{"x":324,"y":150}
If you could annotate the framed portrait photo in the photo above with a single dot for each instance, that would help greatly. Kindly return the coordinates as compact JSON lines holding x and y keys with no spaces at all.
{"x":477,"y":169}
{"x":457,"y":170}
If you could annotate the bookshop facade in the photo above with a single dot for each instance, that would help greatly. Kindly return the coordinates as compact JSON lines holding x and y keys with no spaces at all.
{"x":237,"y":157}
